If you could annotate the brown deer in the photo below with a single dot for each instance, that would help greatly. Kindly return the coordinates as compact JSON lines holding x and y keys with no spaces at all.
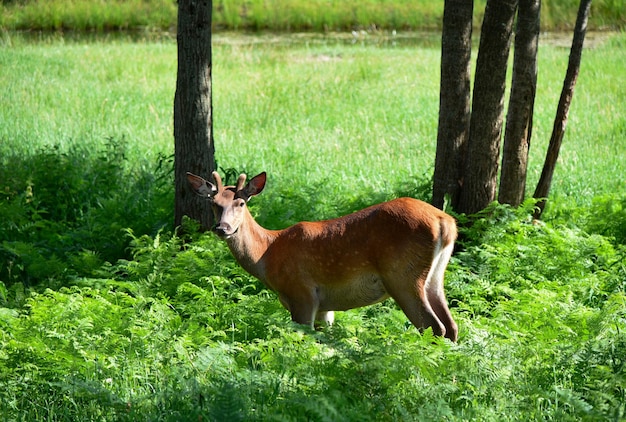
{"x":399,"y":248}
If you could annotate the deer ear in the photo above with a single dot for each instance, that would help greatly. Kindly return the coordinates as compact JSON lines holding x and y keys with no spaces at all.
{"x":254,"y":186}
{"x":201,"y":186}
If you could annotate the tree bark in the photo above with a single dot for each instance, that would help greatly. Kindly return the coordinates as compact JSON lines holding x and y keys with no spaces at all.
{"x":193,"y":111}
{"x":483,"y":149}
{"x":454,"y":100}
{"x":560,"y":121}
{"x":519,"y":122}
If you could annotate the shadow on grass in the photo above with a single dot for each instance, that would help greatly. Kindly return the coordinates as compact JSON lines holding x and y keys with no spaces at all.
{"x":66,"y":211}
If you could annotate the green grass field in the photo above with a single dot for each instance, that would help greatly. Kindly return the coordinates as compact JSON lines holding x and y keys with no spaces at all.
{"x":278,"y":15}
{"x":105,"y":314}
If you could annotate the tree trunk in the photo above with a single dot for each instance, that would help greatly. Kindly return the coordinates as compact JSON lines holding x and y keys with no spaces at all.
{"x":519,"y":120}
{"x":193,"y":113}
{"x":560,"y":121}
{"x":454,"y":100}
{"x":483,"y":149}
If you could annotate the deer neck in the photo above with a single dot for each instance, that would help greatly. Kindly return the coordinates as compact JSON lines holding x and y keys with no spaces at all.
{"x":249,"y":245}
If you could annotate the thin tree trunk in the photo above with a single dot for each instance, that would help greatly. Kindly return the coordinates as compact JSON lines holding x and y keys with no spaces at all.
{"x":560,"y":121}
{"x":483,"y":149}
{"x":454,"y":100}
{"x":519,"y":122}
{"x":193,"y":113}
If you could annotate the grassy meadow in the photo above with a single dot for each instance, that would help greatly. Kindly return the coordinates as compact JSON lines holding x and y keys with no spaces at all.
{"x":107,"y":314}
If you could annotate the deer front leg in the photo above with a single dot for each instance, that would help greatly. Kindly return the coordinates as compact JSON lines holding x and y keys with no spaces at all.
{"x":302,"y":305}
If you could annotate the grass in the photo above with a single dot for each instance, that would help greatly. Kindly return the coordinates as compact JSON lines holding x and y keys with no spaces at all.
{"x":276,"y":15}
{"x":106,"y":314}
{"x":322,"y":92}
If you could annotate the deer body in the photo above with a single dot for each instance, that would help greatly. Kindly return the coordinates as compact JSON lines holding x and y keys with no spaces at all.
{"x":398,"y":248}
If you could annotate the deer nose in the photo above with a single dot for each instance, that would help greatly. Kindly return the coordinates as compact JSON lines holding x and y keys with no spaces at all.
{"x":222,"y":229}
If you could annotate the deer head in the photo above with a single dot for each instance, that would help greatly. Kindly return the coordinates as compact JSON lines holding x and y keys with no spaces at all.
{"x":228,"y":202}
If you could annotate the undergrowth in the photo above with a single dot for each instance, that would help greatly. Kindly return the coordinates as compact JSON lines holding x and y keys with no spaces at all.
{"x":64,"y":212}
{"x":275,"y":15}
{"x":107,"y":315}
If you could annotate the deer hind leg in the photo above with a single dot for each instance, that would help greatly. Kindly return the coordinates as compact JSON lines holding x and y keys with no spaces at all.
{"x":411,"y":298}
{"x":325,"y":318}
{"x":435,"y":294}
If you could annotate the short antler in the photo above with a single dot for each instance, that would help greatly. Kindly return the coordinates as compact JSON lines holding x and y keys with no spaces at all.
{"x":218,"y":181}
{"x":241,"y":182}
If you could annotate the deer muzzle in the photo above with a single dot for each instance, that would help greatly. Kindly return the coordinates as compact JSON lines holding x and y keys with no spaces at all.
{"x":224,"y":230}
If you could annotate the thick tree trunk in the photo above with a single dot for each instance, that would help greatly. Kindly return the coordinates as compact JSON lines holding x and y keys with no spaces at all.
{"x":454,"y":100}
{"x":560,"y":121}
{"x":519,"y":120}
{"x":193,"y":125}
{"x":483,"y":149}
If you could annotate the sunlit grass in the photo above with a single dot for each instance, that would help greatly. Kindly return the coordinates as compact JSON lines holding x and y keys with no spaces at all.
{"x":312,"y":112}
{"x":60,"y":94}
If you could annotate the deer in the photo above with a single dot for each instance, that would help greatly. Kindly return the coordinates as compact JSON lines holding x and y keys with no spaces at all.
{"x":397,"y":249}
